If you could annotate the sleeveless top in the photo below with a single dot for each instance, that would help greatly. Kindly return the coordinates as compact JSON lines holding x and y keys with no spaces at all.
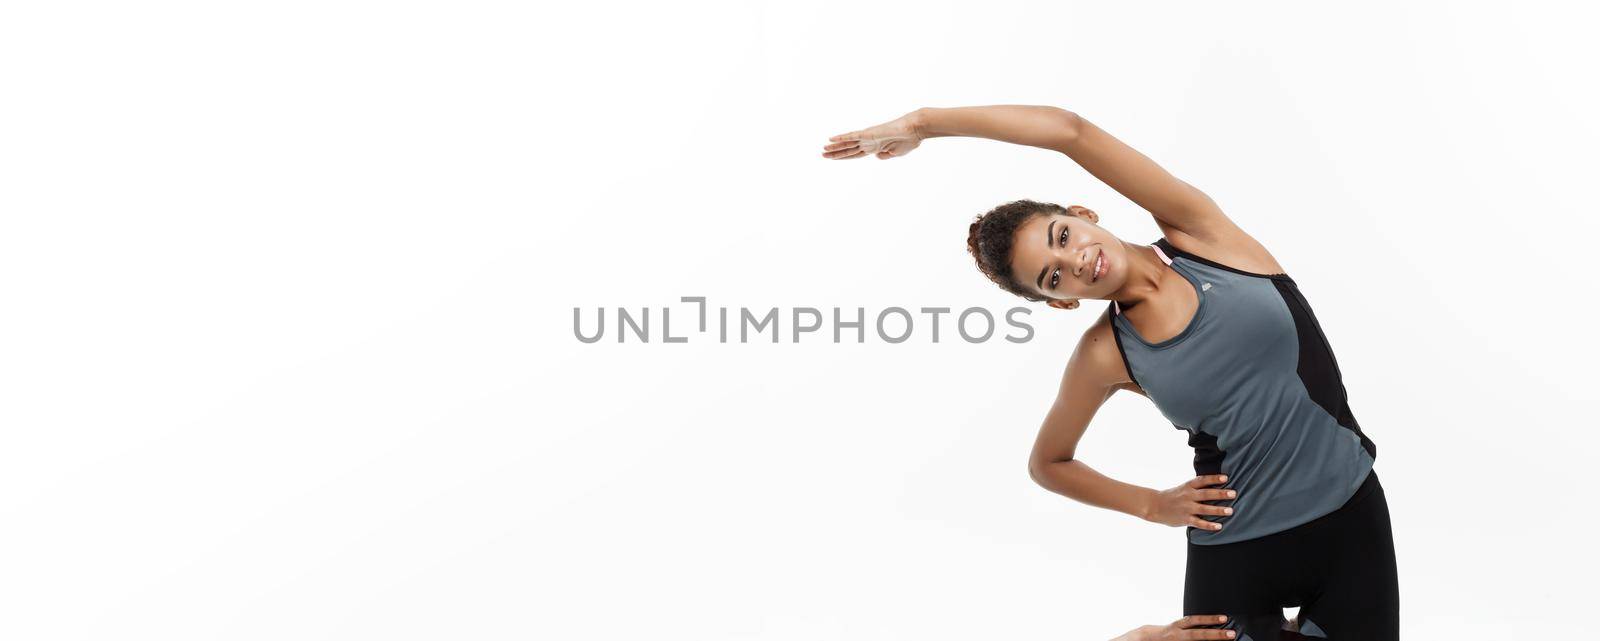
{"x":1253,"y":381}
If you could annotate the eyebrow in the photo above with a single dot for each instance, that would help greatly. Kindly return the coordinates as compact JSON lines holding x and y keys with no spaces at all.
{"x":1048,"y":234}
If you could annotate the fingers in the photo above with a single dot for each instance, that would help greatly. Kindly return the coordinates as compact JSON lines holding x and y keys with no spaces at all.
{"x":1195,"y":521}
{"x":845,"y":152}
{"x":1210,"y":510}
{"x":1197,"y":620}
{"x":1206,"y":634}
{"x":842,"y":150}
{"x":845,"y":146}
{"x":1210,"y":479}
{"x":1215,"y":495}
{"x":852,"y":148}
{"x":1190,"y":627}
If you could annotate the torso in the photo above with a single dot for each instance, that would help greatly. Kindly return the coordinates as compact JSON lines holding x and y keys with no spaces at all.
{"x":1161,"y":319}
{"x":1240,"y":363}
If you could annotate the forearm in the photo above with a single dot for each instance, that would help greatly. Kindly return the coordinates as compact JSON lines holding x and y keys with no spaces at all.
{"x":1077,"y":481}
{"x":1032,"y":125}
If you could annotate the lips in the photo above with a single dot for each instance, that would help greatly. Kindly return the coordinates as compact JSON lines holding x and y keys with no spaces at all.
{"x":1099,"y":267}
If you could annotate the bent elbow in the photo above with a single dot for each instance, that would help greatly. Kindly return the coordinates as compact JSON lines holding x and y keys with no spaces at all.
{"x":1071,"y":123}
{"x":1038,"y":470}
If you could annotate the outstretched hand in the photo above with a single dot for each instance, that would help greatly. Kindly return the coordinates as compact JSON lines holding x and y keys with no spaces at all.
{"x":1181,"y":630}
{"x":888,"y":140}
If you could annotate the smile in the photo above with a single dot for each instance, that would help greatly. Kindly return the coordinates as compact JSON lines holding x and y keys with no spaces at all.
{"x":1099,"y":267}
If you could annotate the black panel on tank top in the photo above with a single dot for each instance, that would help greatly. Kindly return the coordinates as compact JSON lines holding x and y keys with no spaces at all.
{"x":1318,"y":369}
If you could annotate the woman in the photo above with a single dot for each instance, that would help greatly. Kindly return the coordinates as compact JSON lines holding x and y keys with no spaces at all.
{"x":1204,"y":322}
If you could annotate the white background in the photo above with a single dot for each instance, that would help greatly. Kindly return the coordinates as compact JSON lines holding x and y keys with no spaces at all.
{"x":286,"y":301}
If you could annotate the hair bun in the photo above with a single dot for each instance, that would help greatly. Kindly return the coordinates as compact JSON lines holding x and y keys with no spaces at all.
{"x":991,"y":236}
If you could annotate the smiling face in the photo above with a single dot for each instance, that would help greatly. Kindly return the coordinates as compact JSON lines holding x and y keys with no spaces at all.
{"x":1066,"y":257}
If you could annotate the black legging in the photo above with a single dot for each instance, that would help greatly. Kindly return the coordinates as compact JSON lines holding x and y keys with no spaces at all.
{"x":1339,"y":569}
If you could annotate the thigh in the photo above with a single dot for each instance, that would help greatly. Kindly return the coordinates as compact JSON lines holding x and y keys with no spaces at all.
{"x":1242,"y":580}
{"x":1359,"y":595}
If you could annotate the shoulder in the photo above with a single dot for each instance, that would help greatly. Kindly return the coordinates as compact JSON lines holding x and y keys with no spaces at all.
{"x":1097,"y":360}
{"x":1225,"y":246}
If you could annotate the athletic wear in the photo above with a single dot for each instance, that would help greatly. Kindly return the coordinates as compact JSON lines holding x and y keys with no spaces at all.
{"x":1339,"y":569}
{"x":1254,"y":382}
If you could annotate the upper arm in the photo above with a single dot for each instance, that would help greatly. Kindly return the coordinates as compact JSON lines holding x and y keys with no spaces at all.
{"x":1175,"y":204}
{"x":1187,"y":216}
{"x":1094,"y":372}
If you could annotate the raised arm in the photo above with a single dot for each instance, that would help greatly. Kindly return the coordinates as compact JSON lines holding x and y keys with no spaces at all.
{"x":1173,"y":202}
{"x":1035,"y":126}
{"x":1186,"y":215}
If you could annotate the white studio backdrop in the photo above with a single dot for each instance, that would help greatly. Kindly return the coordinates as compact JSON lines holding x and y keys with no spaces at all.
{"x":287,"y":294}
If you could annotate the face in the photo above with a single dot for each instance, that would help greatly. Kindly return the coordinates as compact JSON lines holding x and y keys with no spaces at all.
{"x":1055,"y":257}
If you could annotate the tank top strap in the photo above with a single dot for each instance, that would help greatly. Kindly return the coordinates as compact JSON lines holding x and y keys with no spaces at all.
{"x":1162,"y":254}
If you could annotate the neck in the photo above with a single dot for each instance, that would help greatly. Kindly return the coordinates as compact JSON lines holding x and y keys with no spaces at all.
{"x":1145,"y":271}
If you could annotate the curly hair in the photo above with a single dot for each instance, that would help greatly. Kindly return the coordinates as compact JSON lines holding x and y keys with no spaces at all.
{"x":989,"y":241}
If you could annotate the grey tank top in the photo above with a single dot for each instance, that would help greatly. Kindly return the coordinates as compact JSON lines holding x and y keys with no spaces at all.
{"x":1253,"y":381}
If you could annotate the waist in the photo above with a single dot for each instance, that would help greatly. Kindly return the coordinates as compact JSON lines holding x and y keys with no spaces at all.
{"x":1255,"y":534}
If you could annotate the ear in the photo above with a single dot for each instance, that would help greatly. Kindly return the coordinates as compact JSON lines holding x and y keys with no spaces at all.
{"x":1063,"y":304}
{"x":1085,"y":213}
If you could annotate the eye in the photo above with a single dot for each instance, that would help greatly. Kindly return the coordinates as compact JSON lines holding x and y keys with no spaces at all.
{"x":1063,"y":235}
{"x":1055,"y":277}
